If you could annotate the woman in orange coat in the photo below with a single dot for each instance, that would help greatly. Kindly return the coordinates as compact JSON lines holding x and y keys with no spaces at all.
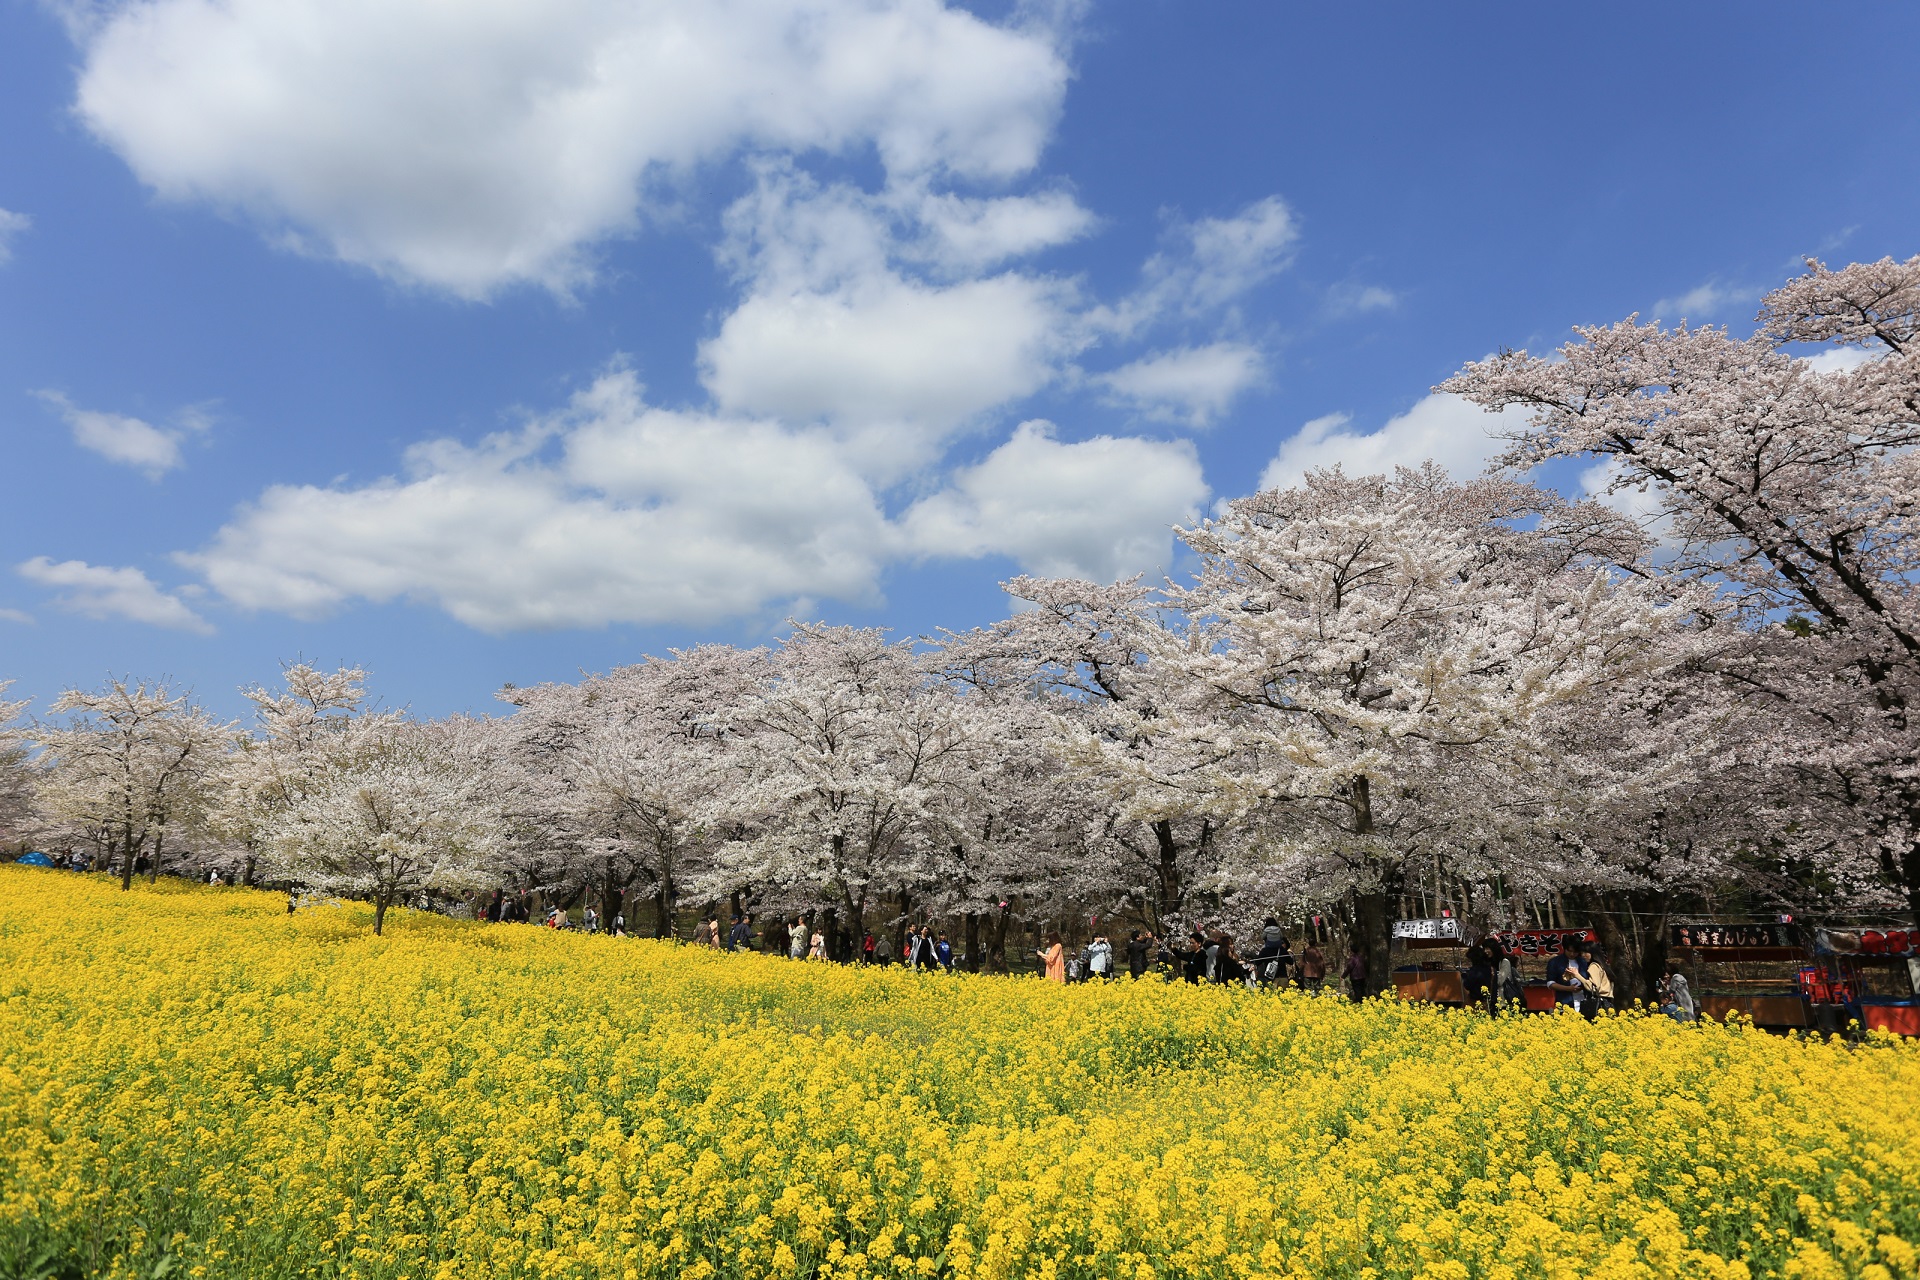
{"x":1056,"y":957}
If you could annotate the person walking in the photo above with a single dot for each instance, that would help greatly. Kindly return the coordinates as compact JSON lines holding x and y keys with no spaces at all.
{"x":1139,"y":952}
{"x":943,"y":953}
{"x":740,"y":938}
{"x":797,"y":938}
{"x":1313,"y":968}
{"x":817,"y":950}
{"x":1355,"y":973}
{"x":1479,"y":977}
{"x":1054,"y":957}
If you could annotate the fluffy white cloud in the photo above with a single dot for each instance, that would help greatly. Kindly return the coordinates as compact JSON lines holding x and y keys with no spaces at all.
{"x":833,"y":329}
{"x":1704,"y":302}
{"x":11,"y":225}
{"x":1193,"y":385}
{"x":609,"y":511}
{"x":468,"y":146}
{"x":1098,"y":508}
{"x":888,"y":351}
{"x":972,"y":234}
{"x":1454,"y":433}
{"x":101,"y":591}
{"x":16,"y":615}
{"x":152,"y":451}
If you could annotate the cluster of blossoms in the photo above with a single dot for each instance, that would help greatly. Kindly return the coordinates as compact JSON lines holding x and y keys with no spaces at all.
{"x":197,"y":1083}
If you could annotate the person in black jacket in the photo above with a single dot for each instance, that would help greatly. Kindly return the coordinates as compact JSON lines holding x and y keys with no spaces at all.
{"x":1195,"y":960}
{"x":1274,"y":958}
{"x":1139,"y":952}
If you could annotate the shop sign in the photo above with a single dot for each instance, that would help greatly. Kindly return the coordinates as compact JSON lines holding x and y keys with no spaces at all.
{"x":1546,"y":942}
{"x":1427,"y":929}
{"x":1733,"y":935}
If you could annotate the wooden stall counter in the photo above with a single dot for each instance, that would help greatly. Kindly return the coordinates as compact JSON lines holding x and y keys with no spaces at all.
{"x":1765,"y":1011}
{"x":1436,"y":986}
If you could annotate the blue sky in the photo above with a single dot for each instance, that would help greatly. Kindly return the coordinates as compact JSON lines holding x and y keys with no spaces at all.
{"x":498,"y":348}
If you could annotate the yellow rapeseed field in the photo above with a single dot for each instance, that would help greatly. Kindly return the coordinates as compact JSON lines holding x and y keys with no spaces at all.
{"x":194,"y":1083}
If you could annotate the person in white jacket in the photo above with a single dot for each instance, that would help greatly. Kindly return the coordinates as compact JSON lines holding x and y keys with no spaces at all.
{"x":1100,"y":958}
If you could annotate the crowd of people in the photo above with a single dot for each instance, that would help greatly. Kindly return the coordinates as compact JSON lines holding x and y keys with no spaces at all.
{"x":1578,"y":978}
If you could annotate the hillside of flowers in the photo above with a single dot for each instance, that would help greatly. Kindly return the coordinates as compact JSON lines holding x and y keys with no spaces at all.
{"x":195,"y":1082}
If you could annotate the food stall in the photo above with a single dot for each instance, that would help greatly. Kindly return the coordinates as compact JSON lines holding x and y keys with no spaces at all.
{"x":1747,"y":968}
{"x":1872,"y":974}
{"x":1435,"y":978}
{"x":1531,"y":949}
{"x":1433,"y":970}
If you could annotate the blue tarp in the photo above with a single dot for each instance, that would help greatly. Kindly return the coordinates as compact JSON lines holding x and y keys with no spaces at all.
{"x":35,"y":860}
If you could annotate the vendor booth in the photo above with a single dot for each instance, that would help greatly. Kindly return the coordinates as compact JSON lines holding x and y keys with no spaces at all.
{"x":1748,"y":969}
{"x":1432,"y":963}
{"x":1869,"y":974}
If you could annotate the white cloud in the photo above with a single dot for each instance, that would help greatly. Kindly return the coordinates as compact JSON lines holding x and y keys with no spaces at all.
{"x":970,"y":235}
{"x":831,"y":330}
{"x":1840,"y":359}
{"x":1704,"y":302}
{"x":1194,"y":385}
{"x":1358,"y":299}
{"x":610,"y":511}
{"x":1219,"y":259}
{"x":1099,"y":508}
{"x":1453,"y":432}
{"x":16,"y":615}
{"x":468,"y":146}
{"x":101,"y":591}
{"x":888,"y":351}
{"x":613,"y":510}
{"x":11,"y":225}
{"x":152,"y":451}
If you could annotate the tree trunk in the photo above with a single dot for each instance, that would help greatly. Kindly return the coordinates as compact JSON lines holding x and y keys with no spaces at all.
{"x":663,"y":909}
{"x":126,"y":864}
{"x":1374,"y":939}
{"x":973,"y":942}
{"x":1371,"y":909}
{"x":1170,"y":894}
{"x":379,"y":914}
{"x":997,"y":944}
{"x":246,"y":877}
{"x":1632,"y":925}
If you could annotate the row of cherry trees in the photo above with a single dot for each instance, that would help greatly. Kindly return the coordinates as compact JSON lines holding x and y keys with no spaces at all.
{"x":1369,"y":692}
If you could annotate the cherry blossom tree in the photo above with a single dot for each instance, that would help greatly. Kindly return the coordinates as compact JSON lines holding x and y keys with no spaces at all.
{"x":127,"y":767}
{"x":315,"y":724}
{"x":1348,"y":641}
{"x":1146,"y":848}
{"x":623,"y":778}
{"x":408,"y":812}
{"x":16,"y":771}
{"x":1793,"y":483}
{"x":846,"y":755}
